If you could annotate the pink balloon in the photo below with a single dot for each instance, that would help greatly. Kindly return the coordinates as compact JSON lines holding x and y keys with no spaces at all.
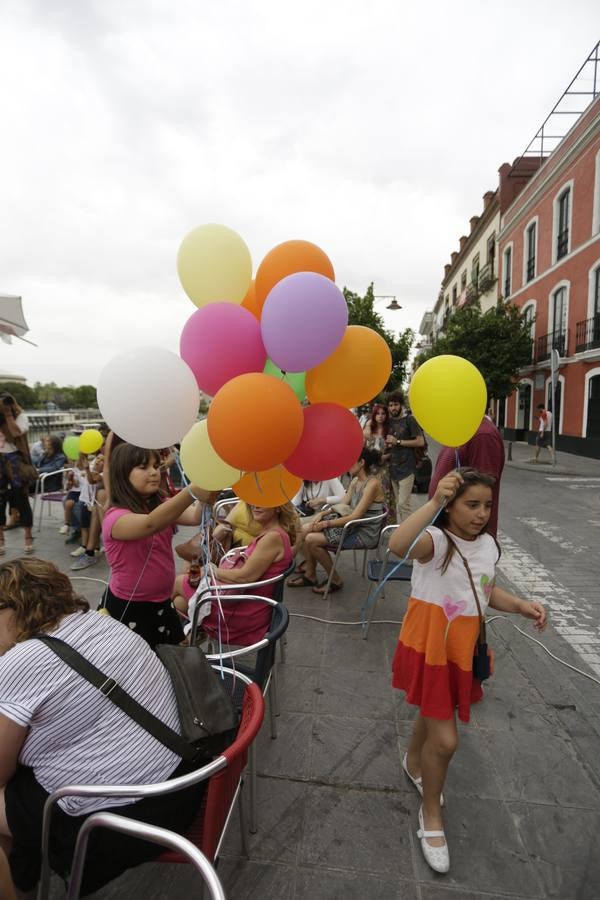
{"x":221,"y":341}
{"x":331,"y":442}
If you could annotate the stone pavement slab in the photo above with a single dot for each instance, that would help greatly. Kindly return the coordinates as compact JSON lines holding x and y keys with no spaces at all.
{"x":337,"y":817}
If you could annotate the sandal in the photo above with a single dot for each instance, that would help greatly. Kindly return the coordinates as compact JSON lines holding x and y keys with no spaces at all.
{"x":333,"y":587}
{"x":417,"y":782}
{"x":299,"y":580}
{"x":300,"y":569}
{"x":438,"y":858}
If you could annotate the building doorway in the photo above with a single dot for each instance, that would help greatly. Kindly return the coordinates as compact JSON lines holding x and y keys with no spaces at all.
{"x":524,"y":411}
{"x":593,"y":413}
{"x":550,"y":405}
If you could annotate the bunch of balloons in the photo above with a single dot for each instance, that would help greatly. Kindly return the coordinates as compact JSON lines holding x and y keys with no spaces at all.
{"x":261,"y":348}
{"x":88,"y":442}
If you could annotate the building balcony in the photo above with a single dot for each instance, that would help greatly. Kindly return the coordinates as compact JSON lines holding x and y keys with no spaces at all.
{"x":544,"y":345}
{"x":486,"y":279}
{"x":472,"y":293}
{"x":587,"y":334}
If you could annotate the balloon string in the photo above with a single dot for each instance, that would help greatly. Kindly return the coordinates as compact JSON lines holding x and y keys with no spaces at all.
{"x":457,"y":458}
{"x":282,"y":488}
{"x":260,"y":490}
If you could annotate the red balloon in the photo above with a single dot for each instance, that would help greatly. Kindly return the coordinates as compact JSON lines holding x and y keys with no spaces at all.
{"x":331,"y":442}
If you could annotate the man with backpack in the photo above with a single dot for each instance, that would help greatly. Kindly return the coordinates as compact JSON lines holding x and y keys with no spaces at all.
{"x":403,"y":438}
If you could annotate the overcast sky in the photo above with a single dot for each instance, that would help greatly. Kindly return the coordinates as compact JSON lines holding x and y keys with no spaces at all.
{"x":371,"y":128}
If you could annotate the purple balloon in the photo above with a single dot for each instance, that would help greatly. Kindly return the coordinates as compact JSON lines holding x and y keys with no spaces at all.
{"x":303,"y":320}
{"x":219,"y":342}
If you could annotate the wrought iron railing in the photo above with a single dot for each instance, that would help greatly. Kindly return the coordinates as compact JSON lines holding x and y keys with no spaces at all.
{"x":556,"y":340}
{"x":587,"y":334}
{"x":486,"y":279}
{"x":472,"y":293}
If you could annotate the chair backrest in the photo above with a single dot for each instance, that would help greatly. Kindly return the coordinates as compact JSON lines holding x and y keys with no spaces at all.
{"x":249,"y":725}
{"x":378,"y":518}
{"x":223,"y":787}
{"x":43,"y":479}
{"x":263,"y":649}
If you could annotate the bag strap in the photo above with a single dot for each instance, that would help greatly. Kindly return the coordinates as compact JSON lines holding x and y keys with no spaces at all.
{"x":482,"y":635}
{"x":109,"y":687}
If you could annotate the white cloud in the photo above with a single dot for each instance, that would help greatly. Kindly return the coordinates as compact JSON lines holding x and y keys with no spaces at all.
{"x":371,"y":129}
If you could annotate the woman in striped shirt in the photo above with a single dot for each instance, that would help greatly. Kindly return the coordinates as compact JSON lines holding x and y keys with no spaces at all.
{"x":57,"y":729}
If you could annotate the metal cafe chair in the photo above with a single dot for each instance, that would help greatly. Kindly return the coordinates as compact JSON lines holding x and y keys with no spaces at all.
{"x":377,"y":570}
{"x":224,"y":776}
{"x":346,"y":530}
{"x":175,"y":842}
{"x":49,"y":497}
{"x":261,"y":669}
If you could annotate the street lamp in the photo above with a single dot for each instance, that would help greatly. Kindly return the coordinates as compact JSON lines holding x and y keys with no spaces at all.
{"x":393,"y":305}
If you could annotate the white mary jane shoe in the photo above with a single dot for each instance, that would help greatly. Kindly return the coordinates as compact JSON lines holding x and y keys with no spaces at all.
{"x":417,"y":782}
{"x":438,"y":858}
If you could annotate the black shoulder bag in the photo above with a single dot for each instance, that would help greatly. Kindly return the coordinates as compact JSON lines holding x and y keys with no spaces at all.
{"x":481,"y":656}
{"x":207,"y":715}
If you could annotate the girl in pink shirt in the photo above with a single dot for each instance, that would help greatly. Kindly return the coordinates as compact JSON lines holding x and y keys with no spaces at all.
{"x":137,"y":529}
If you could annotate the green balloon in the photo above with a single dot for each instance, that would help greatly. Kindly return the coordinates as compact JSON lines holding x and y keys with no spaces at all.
{"x":294,"y":379}
{"x":71,"y":446}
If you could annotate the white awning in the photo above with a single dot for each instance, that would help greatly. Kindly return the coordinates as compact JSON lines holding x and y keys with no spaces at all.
{"x":12,"y":320}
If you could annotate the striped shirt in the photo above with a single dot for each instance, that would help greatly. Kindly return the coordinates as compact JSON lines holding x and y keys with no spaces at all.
{"x":76,"y":734}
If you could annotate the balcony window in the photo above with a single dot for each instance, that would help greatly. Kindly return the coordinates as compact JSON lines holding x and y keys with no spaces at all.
{"x":531,"y":246}
{"x":475,"y":270}
{"x":562,"y":238}
{"x":559,"y":310}
{"x":507,"y":272}
{"x":463,"y":280}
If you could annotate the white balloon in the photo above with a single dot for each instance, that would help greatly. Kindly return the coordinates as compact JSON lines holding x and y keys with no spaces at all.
{"x":148,"y":396}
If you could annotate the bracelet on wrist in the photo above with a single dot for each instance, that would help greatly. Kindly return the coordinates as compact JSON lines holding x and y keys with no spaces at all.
{"x":191,"y":493}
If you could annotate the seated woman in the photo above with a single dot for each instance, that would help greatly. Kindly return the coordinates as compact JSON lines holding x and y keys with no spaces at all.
{"x":52,"y":461}
{"x":58,"y":729}
{"x":268,"y":555}
{"x":311,"y":497}
{"x":365,"y":496}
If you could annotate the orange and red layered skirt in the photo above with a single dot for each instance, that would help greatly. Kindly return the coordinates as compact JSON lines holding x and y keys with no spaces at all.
{"x":433,"y":662}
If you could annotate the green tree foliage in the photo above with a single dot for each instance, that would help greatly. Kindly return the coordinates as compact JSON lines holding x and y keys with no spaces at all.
{"x":69,"y":397}
{"x":498,"y":342}
{"x":361,"y":311}
{"x":23,"y":394}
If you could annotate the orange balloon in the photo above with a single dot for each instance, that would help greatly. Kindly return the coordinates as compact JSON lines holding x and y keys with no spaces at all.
{"x":254,"y":422}
{"x":271,"y":488}
{"x":249,"y":301}
{"x":287,"y":259}
{"x":357,"y":370}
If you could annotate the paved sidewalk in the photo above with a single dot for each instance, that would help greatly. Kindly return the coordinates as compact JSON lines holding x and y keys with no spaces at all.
{"x":337,"y":817}
{"x":566,"y":463}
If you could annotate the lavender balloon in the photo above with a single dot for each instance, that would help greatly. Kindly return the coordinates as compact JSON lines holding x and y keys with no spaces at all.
{"x":303,"y":320}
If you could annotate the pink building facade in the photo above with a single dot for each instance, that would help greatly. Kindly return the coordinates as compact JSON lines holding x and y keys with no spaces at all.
{"x":549,"y":266}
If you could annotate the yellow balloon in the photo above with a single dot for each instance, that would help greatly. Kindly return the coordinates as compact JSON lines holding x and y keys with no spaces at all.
{"x":90,"y":441}
{"x":214,"y":264}
{"x":448,"y":398}
{"x":201,"y":463}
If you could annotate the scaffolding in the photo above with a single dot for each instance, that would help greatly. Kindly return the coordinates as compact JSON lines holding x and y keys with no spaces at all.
{"x":564,"y":115}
